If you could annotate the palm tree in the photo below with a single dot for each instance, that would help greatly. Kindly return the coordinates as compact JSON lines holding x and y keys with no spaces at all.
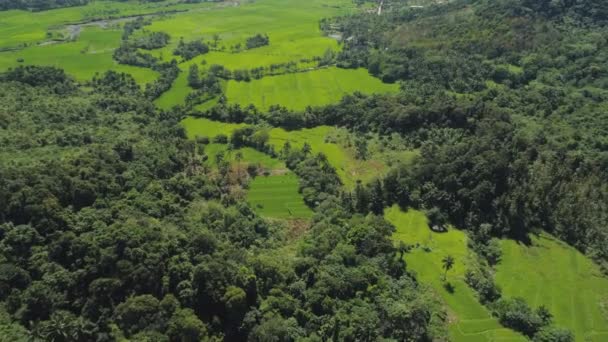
{"x":238,"y":157}
{"x":447,"y":264}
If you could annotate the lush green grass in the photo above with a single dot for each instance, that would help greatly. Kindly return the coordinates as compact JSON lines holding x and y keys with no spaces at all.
{"x":348,"y":168}
{"x":23,"y":27}
{"x":249,"y":156}
{"x":90,"y":54}
{"x":207,"y":128}
{"x":553,"y":274}
{"x":277,"y":197}
{"x":314,"y":88}
{"x":471,"y":321}
{"x":292,"y":25}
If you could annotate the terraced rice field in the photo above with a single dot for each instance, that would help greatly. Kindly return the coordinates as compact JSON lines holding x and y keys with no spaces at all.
{"x":471,"y":321}
{"x":277,"y":196}
{"x":551,"y":273}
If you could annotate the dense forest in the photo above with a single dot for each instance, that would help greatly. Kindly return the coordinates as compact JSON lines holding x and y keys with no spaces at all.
{"x":506,"y":99}
{"x":114,"y":227}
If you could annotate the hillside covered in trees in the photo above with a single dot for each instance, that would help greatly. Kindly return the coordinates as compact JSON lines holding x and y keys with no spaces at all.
{"x":117,"y":223}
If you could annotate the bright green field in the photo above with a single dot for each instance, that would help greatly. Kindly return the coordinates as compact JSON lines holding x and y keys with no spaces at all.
{"x":208,"y":128}
{"x":277,"y":197}
{"x":292,"y":25}
{"x":23,"y":27}
{"x":314,"y":88}
{"x":553,"y":274}
{"x":249,"y":156}
{"x":90,"y":54}
{"x":471,"y":321}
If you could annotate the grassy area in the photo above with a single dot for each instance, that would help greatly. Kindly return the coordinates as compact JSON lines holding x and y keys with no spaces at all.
{"x":90,"y":54}
{"x":249,"y":156}
{"x":471,"y":321}
{"x":207,"y":128}
{"x":314,"y":88}
{"x":347,"y":166}
{"x":18,"y":28}
{"x":551,"y":273}
{"x":292,"y":25}
{"x":277,"y":196}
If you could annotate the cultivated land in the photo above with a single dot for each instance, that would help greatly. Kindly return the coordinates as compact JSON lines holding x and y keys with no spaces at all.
{"x":248,"y":156}
{"x":349,"y":168}
{"x":82,"y":40}
{"x":551,"y":273}
{"x":471,"y":321}
{"x":299,"y":90}
{"x":91,"y":54}
{"x":277,"y":196}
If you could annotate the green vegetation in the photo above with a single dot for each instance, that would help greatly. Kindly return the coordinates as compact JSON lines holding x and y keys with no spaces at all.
{"x":91,"y":54}
{"x":248,"y":156}
{"x":471,"y":321}
{"x":322,"y":139}
{"x":277,"y":196}
{"x":184,"y":170}
{"x":299,"y":90}
{"x":550,"y":273}
{"x":208,"y":128}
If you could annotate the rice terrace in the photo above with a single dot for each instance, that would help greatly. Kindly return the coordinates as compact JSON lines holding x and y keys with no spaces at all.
{"x":289,"y":170}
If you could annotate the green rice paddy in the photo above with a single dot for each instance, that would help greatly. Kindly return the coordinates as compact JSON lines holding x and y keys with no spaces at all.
{"x":91,"y":54}
{"x":299,"y":90}
{"x":551,"y":273}
{"x":248,"y":156}
{"x":471,"y":321}
{"x":277,"y":196}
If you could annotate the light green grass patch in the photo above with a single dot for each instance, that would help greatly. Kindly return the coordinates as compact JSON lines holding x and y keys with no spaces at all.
{"x":472,"y":321}
{"x":208,"y":128}
{"x":89,"y":55}
{"x":277,"y":196}
{"x":23,"y":27}
{"x":249,"y":156}
{"x":292,"y":25}
{"x":299,"y":90}
{"x":553,"y":274}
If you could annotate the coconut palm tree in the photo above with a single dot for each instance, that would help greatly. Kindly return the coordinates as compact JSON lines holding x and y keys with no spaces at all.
{"x":447,"y":264}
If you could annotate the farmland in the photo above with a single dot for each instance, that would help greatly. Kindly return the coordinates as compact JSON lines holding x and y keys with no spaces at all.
{"x":546,"y":272}
{"x":220,"y":184}
{"x":471,"y":321}
{"x":321,"y":139}
{"x":277,"y":196}
{"x":299,"y":90}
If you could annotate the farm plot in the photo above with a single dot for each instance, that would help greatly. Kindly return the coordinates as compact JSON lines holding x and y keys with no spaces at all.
{"x":89,"y":55}
{"x":551,"y":273}
{"x":248,"y":156}
{"x":299,"y":90}
{"x":277,"y":196}
{"x":471,"y":321}
{"x":292,"y":26}
{"x":349,"y":169}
